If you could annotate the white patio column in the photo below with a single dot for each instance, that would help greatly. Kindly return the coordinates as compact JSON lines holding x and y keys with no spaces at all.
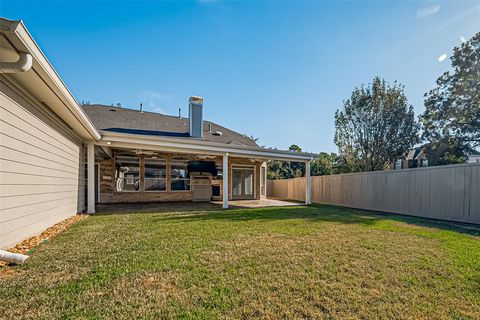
{"x":308,"y":184}
{"x":225,"y":181}
{"x":266,"y":180}
{"x":91,"y":177}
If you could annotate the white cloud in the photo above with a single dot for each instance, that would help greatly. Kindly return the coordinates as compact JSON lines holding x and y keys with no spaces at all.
{"x":442,"y":57}
{"x":153,"y":101}
{"x":428,"y":11}
{"x":462,"y":38}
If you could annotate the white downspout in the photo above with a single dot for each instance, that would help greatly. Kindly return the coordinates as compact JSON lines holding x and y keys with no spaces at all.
{"x":11,"y":257}
{"x":24,"y":63}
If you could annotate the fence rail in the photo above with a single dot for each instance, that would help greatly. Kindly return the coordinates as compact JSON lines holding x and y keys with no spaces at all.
{"x":445,"y":192}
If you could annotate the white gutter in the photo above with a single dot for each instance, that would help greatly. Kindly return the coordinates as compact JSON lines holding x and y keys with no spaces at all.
{"x":23,"y":41}
{"x":24,"y":63}
{"x":137,"y":141}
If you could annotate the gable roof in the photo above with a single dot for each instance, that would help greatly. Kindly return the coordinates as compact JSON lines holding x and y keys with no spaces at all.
{"x":123,"y":120}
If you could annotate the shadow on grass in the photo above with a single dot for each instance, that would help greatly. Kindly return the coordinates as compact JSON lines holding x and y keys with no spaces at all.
{"x":314,"y":213}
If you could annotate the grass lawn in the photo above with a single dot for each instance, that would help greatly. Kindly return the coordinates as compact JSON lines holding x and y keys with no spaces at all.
{"x":295,"y":262}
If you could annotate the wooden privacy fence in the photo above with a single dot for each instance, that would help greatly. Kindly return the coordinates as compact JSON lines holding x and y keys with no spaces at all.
{"x":445,"y":192}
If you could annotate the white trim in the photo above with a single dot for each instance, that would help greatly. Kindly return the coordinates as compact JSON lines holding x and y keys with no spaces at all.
{"x":308,"y":184}
{"x":263,"y":166}
{"x":91,"y":177}
{"x":225,"y":180}
{"x":133,"y":141}
{"x":21,"y":39}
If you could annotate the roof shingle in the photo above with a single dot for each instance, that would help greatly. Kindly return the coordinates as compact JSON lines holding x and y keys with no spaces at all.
{"x":131,"y":121}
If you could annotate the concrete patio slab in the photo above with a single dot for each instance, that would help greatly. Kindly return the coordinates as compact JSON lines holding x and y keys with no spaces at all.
{"x":190,"y":206}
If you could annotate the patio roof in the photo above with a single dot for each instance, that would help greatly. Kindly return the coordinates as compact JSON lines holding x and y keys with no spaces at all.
{"x":171,"y":144}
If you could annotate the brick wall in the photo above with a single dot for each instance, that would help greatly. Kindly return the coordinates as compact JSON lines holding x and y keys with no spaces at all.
{"x":109,"y":195}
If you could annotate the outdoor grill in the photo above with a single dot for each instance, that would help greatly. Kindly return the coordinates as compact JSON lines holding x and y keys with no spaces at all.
{"x":201,"y":184}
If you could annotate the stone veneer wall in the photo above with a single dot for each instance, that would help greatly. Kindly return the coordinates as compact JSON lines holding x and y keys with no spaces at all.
{"x":109,"y":195}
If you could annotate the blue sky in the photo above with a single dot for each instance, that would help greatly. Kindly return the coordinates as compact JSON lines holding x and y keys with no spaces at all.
{"x":277,"y":70}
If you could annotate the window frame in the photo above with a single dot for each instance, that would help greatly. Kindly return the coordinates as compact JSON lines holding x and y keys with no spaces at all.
{"x":172,"y":161}
{"x":254,"y":177}
{"x":145,"y":160}
{"x":115,"y":179}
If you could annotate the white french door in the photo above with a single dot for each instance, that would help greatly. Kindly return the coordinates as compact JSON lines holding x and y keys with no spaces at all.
{"x":242,"y":183}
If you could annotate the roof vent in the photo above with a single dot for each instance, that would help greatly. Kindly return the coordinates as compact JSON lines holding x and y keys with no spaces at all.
{"x":217,"y":133}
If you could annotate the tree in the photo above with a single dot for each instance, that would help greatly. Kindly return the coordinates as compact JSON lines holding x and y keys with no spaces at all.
{"x":324,"y":165}
{"x":297,"y":168}
{"x":453,"y":107}
{"x":327,"y":164}
{"x":375,"y":127}
{"x":295,"y":148}
{"x":445,"y":151}
{"x":278,"y":169}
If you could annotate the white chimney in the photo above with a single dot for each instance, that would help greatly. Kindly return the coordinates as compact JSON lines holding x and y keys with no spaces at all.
{"x":195,"y":115}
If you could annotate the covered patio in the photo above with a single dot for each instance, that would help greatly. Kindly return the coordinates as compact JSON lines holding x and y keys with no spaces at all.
{"x":156,"y":172}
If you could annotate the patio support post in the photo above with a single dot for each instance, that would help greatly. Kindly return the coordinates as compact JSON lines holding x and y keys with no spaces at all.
{"x":91,"y":177}
{"x":308,"y":184}
{"x":225,"y":181}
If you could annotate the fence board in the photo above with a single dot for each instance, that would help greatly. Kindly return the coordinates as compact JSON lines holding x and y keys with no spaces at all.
{"x":445,"y":192}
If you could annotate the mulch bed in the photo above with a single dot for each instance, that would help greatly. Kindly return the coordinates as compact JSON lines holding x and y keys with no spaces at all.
{"x":28,"y":246}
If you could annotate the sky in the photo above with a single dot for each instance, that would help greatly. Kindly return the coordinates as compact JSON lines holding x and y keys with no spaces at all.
{"x":276,"y":70}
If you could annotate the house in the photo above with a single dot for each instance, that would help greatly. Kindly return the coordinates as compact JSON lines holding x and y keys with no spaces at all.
{"x":148,"y":157}
{"x":474,"y":157}
{"x":58,"y":158}
{"x":415,"y":158}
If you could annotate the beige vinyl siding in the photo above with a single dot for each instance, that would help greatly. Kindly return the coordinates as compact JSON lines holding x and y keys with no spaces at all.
{"x":41,"y":167}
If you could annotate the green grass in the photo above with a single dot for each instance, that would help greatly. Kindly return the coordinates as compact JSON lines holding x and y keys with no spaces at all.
{"x":295,"y":262}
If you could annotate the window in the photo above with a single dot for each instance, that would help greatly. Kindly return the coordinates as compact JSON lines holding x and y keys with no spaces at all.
{"x":127,"y":173}
{"x":179,"y":172}
{"x":155,"y":175}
